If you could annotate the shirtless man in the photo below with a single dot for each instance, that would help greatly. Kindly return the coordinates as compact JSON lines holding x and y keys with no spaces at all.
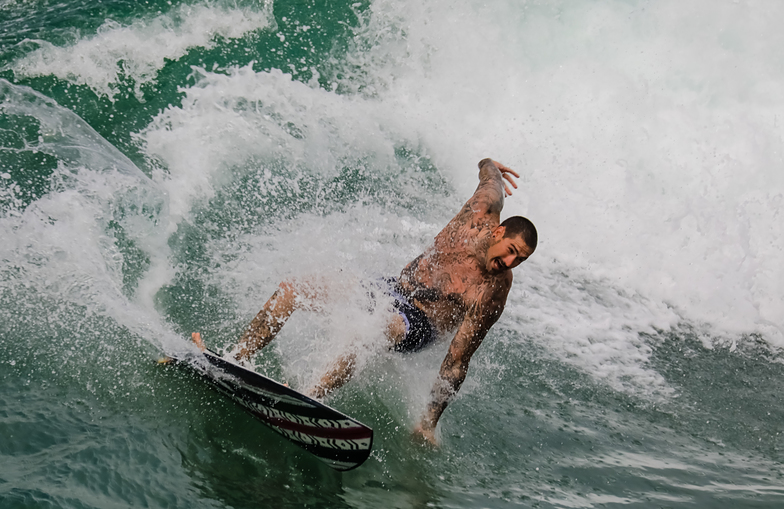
{"x":459,"y":283}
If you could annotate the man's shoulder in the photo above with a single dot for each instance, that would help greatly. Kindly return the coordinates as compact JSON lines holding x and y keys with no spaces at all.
{"x":503,"y":282}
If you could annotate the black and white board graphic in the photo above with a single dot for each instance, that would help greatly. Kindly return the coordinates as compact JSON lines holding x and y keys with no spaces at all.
{"x":335,"y":438}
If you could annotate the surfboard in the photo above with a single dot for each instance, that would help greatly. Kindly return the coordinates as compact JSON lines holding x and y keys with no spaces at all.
{"x":338,"y":440}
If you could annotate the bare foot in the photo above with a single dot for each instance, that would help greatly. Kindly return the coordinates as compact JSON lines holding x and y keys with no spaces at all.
{"x":196,"y":337}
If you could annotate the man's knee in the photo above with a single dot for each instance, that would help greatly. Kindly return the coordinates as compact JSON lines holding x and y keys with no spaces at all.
{"x":396,"y":329}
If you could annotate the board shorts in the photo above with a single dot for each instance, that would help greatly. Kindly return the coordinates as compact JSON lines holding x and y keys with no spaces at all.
{"x":419,"y":331}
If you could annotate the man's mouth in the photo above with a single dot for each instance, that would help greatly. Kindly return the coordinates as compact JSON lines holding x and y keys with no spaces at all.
{"x":499,"y":265}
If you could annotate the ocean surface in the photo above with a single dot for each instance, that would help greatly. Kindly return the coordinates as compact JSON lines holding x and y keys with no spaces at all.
{"x":164,"y":164}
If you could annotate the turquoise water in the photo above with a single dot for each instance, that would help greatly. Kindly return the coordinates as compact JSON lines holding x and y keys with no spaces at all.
{"x":164,"y":165}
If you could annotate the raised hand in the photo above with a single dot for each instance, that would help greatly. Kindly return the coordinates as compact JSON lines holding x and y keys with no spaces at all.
{"x":509,"y":175}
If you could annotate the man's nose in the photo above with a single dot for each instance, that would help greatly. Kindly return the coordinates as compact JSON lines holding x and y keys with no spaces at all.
{"x":509,"y":260}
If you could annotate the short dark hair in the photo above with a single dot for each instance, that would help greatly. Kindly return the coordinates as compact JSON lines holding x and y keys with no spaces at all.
{"x":520,"y":226}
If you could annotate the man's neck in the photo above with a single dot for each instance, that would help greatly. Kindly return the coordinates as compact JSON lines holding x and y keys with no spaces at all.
{"x":479,"y":249}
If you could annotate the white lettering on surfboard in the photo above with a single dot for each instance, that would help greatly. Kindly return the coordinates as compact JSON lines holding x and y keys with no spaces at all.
{"x":286,"y":416}
{"x":330,"y":443}
{"x":298,"y":419}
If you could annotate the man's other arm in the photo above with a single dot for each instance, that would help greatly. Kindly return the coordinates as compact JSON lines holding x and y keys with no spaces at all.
{"x":454,"y":368}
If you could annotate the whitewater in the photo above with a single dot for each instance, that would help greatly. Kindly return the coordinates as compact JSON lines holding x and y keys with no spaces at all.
{"x":164,"y":166}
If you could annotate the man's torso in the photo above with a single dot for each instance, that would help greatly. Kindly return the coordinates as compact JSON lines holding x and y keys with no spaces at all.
{"x":448,"y":277}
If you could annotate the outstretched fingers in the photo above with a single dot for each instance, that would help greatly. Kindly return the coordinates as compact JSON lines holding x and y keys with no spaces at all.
{"x":505,"y":169}
{"x":509,"y":175}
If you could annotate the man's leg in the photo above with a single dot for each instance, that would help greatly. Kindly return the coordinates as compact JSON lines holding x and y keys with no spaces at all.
{"x":336,"y":377}
{"x":343,"y":369}
{"x":290,"y":296}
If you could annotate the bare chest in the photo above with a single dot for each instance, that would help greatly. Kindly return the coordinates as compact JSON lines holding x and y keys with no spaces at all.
{"x":450,"y":273}
{"x":444,"y":284}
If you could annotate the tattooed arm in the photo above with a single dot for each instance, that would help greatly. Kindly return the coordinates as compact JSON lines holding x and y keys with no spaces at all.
{"x":478,"y":320}
{"x":487,"y":201}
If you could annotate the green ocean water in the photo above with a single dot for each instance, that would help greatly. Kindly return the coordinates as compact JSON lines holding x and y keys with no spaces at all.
{"x":163,"y":165}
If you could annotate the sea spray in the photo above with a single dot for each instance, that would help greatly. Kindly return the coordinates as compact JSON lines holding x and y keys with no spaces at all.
{"x":635,"y":363}
{"x":136,"y":52}
{"x":93,"y":233}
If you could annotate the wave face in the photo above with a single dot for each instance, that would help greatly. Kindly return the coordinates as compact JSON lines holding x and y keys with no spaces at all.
{"x":163,"y":166}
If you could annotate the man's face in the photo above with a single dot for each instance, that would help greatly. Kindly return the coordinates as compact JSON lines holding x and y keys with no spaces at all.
{"x":506,"y":253}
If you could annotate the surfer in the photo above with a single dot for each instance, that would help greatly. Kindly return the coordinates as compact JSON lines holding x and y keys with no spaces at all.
{"x":460,"y":283}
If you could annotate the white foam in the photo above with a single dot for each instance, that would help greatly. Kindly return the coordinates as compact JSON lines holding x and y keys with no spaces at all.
{"x":140,"y":49}
{"x":60,"y":245}
{"x":243,"y":120}
{"x":650,"y":146}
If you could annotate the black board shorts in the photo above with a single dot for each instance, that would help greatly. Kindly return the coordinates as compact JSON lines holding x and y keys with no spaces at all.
{"x":419,"y":331}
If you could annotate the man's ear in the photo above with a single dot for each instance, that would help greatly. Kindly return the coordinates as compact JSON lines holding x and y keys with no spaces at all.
{"x":498,"y":232}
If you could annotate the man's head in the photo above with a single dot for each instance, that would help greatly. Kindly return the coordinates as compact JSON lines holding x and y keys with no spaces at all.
{"x":513,"y":241}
